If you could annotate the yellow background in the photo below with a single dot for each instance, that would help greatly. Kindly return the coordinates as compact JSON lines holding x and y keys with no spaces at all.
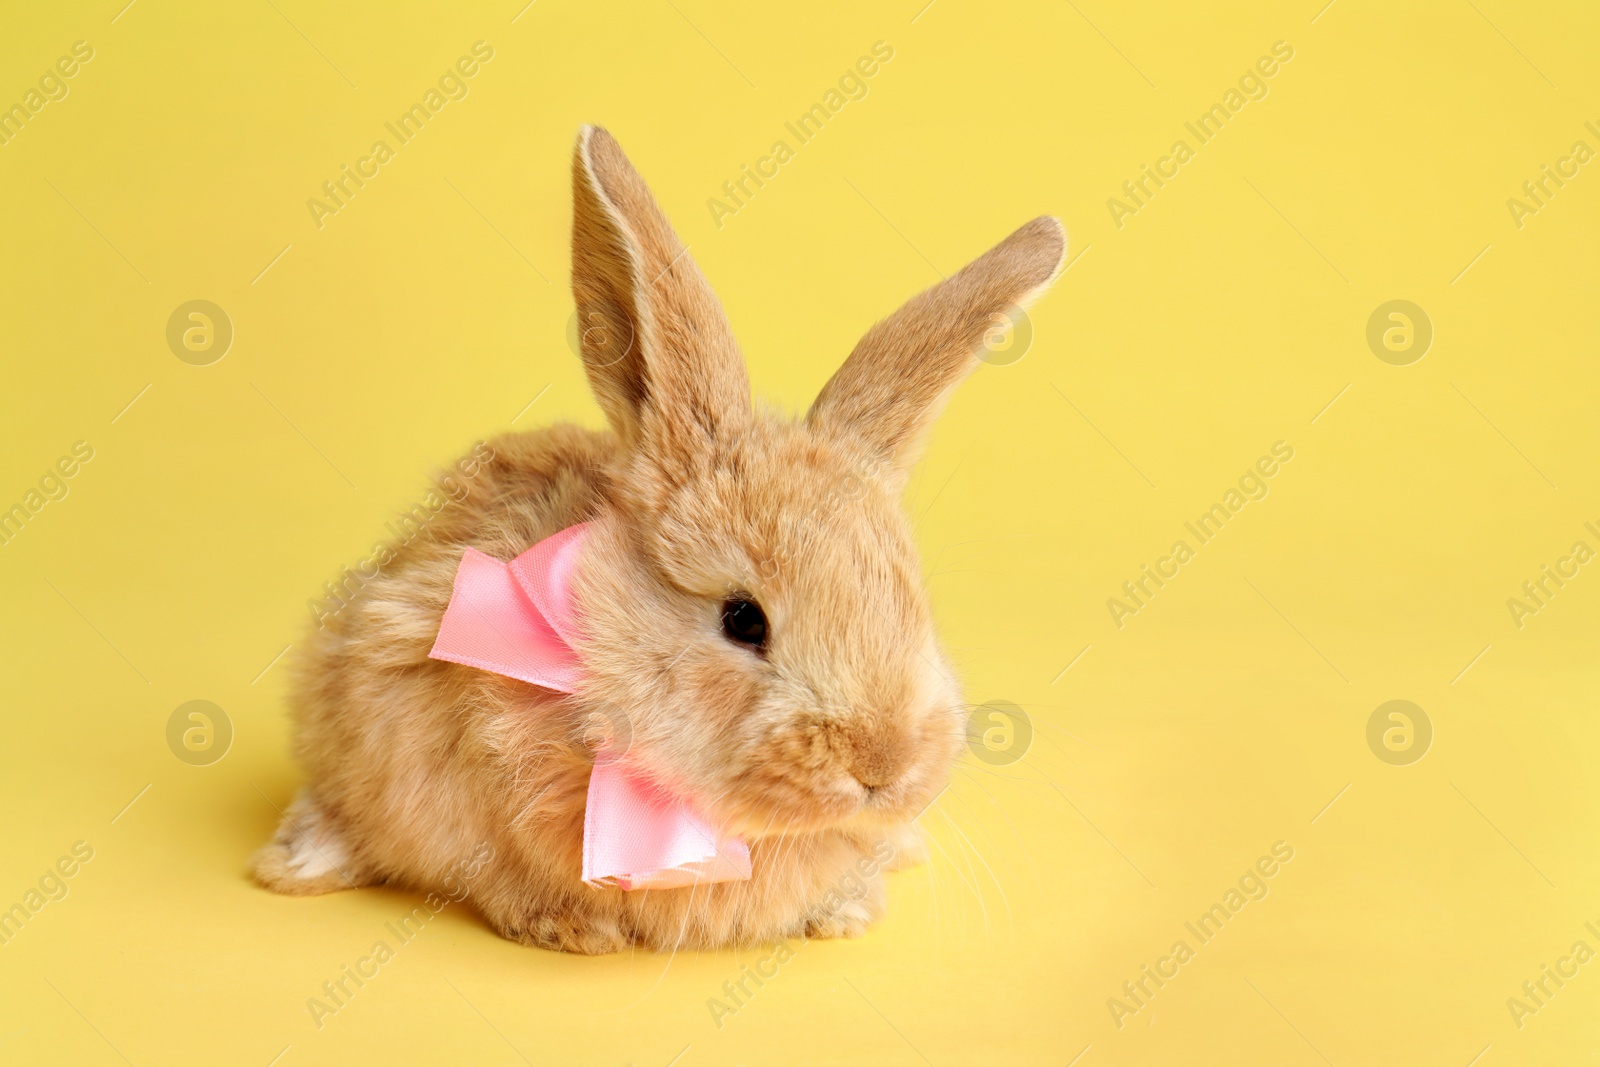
{"x":1175,"y":350}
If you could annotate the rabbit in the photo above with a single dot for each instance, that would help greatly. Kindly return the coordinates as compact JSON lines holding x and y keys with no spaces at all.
{"x":752,"y":602}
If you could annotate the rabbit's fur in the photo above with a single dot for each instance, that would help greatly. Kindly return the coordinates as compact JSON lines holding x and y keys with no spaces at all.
{"x":819,"y":750}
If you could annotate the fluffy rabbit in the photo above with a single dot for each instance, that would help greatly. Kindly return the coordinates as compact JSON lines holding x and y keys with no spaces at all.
{"x":817,"y":725}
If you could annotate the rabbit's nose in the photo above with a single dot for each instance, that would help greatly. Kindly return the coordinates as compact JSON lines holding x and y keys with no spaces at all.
{"x":878,"y":755}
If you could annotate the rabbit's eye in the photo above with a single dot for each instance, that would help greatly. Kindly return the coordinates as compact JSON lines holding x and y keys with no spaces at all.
{"x":743,"y":621}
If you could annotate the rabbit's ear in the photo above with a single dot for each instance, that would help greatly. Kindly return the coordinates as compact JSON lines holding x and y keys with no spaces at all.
{"x":657,"y":348}
{"x":896,"y":380}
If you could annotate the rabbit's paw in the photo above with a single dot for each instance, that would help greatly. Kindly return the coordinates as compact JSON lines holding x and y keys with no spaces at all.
{"x":843,"y":916}
{"x":568,"y":931}
{"x":307,"y":855}
{"x":849,"y":920}
{"x":909,"y":847}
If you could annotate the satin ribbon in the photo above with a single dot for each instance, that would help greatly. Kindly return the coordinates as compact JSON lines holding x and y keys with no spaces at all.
{"x":519,"y":619}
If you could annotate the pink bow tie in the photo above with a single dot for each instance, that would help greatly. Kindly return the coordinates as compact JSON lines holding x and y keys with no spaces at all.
{"x":518,"y":619}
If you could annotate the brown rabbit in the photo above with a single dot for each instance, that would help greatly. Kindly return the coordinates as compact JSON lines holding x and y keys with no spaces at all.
{"x":751,"y":598}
